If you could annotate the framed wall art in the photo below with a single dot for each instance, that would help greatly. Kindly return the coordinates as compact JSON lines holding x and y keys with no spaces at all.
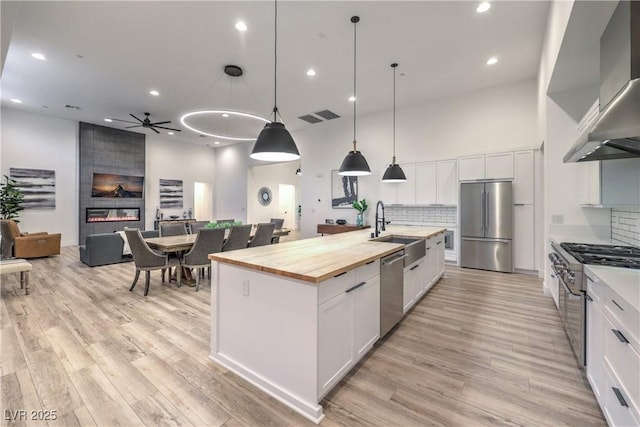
{"x":37,"y":185}
{"x":344,"y":190}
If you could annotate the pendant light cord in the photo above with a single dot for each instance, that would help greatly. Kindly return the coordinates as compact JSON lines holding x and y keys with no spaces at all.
{"x":355,"y":98}
{"x":275,"y":61}
{"x":394,"y":65}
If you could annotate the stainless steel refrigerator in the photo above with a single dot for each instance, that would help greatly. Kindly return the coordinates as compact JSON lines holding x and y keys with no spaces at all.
{"x":486,"y":225}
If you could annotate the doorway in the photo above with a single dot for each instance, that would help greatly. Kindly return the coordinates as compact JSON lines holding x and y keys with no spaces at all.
{"x":287,"y":204}
{"x":202,"y":201}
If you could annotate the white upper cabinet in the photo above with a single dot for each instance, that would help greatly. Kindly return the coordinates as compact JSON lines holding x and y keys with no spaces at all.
{"x":406,"y":191}
{"x":489,"y":166}
{"x":499,"y":166}
{"x":471,"y":168}
{"x":426,"y":183}
{"x":523,"y":182}
{"x":447,"y":182}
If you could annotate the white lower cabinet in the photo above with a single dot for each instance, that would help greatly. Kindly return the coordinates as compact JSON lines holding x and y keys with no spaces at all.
{"x":523,"y":237}
{"x":413,"y":284}
{"x":420,"y":276}
{"x":348,"y":322}
{"x":613,"y":362}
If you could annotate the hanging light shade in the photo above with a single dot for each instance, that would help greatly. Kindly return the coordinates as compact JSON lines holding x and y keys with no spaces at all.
{"x":274,"y":143}
{"x":354,"y":164}
{"x":394,"y":172}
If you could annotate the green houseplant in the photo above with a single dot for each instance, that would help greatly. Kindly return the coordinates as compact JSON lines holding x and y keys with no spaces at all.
{"x":361,"y":206}
{"x":223,"y":224}
{"x":11,"y":199}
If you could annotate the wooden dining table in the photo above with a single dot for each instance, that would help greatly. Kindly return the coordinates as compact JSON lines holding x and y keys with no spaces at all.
{"x":184,"y":242}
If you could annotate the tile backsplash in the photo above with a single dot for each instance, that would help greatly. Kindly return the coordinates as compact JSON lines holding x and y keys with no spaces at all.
{"x":421,"y":214}
{"x":625,"y":226}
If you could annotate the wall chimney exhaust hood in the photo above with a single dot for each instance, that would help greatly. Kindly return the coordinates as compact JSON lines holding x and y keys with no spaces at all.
{"x":615,"y":133}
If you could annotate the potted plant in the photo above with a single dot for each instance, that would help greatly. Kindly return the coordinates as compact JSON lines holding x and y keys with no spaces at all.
{"x":361,"y":206}
{"x":11,"y":199}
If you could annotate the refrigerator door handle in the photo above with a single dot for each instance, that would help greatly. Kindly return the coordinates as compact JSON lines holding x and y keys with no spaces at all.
{"x":472,"y":239}
{"x":482,"y":211}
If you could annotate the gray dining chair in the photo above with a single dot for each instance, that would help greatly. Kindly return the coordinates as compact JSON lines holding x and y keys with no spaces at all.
{"x":238,"y":237}
{"x":263,"y":235}
{"x":145,"y":259}
{"x":208,"y":241}
{"x":170,"y":229}
{"x":197,"y":225}
{"x":279,"y":222}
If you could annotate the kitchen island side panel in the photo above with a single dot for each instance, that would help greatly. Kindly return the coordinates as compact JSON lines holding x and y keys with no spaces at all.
{"x":265,"y":328}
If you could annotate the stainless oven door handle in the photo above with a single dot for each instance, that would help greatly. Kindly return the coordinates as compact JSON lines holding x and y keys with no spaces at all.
{"x":578,"y":295}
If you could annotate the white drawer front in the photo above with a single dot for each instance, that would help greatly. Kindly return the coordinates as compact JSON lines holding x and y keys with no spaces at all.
{"x":336,"y":285}
{"x":625,"y":314}
{"x":622,"y":360}
{"x":615,"y":399}
{"x":367,"y":271}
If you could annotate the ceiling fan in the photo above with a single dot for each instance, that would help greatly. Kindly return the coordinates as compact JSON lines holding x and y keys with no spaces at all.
{"x":146,"y":123}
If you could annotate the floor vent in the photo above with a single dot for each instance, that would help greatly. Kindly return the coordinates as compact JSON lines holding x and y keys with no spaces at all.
{"x":327,"y":115}
{"x":310,"y":119}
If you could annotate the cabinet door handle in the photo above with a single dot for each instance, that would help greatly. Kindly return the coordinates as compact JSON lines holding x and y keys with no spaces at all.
{"x":355,"y":287}
{"x":518,"y":204}
{"x":620,"y":336}
{"x":617,"y":305}
{"x":414,"y":267}
{"x":438,"y":243}
{"x":620,"y":397}
{"x":341,"y":274}
{"x":371,"y":262}
{"x":589,"y":298}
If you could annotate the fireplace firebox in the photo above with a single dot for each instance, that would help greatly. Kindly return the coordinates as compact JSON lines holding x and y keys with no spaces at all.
{"x":112,"y":214}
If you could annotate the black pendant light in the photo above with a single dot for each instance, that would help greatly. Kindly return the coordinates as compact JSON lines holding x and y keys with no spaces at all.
{"x":275,"y":144}
{"x":354,"y":164}
{"x":394,"y":172}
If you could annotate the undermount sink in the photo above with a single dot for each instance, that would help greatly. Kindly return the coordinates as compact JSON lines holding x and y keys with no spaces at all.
{"x":396,"y":239}
{"x":413,"y":250}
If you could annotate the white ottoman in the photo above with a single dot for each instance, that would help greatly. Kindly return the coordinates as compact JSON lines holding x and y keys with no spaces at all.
{"x":17,"y":266}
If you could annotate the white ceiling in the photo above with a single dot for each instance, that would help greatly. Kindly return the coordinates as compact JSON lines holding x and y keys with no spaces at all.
{"x":105,"y":56}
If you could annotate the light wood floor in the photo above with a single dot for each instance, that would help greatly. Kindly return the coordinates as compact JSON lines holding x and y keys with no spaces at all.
{"x":480,"y":349}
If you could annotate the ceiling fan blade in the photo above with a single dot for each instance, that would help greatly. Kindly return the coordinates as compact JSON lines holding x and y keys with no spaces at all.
{"x":154,"y":129}
{"x":136,"y":126}
{"x":141,"y":121}
{"x":162,"y":127}
{"x":160,"y":123}
{"x":126,"y":121}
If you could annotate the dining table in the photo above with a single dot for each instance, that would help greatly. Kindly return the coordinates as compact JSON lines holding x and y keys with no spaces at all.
{"x":184,"y":242}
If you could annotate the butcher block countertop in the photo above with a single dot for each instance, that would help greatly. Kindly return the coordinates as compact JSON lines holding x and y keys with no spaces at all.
{"x":320,"y":258}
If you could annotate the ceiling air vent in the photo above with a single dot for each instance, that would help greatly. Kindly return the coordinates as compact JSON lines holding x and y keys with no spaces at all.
{"x":310,"y":119}
{"x":327,"y":115}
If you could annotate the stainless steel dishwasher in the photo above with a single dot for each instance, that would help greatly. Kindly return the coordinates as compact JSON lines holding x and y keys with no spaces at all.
{"x":391,"y":290}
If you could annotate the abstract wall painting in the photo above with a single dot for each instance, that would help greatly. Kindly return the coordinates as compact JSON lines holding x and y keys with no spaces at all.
{"x":37,"y":185}
{"x":170,"y":193}
{"x":344,"y":190}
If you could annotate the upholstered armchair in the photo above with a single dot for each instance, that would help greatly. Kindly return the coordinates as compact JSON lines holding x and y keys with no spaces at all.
{"x":27,"y":245}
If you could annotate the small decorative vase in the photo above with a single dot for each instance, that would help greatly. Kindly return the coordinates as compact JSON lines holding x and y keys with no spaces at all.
{"x":359,"y":219}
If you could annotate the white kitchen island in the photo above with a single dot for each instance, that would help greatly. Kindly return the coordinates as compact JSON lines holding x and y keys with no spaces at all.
{"x":295,"y":317}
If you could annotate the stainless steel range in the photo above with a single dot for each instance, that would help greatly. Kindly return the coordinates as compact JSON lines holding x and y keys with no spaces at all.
{"x":567,"y":261}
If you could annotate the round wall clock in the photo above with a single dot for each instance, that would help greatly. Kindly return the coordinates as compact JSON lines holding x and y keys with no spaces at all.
{"x":264,"y":196}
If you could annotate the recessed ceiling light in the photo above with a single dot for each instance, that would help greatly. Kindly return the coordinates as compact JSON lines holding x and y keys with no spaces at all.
{"x":492,"y":60}
{"x":241,"y":26}
{"x":154,"y":92}
{"x":483,"y":7}
{"x":16,"y":100}
{"x":108,"y":120}
{"x":311,"y":72}
{"x":225,"y":115}
{"x":171,"y":133}
{"x":39,"y":56}
{"x":216,"y":142}
{"x":352,"y":98}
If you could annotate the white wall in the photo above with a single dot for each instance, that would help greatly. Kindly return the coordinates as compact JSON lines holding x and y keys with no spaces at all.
{"x":232,"y":163}
{"x":43,"y":142}
{"x":496,"y":119}
{"x":168,"y":159}
{"x":270,"y":175}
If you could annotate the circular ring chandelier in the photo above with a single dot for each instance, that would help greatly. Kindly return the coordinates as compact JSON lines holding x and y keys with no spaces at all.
{"x":184,"y":118}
